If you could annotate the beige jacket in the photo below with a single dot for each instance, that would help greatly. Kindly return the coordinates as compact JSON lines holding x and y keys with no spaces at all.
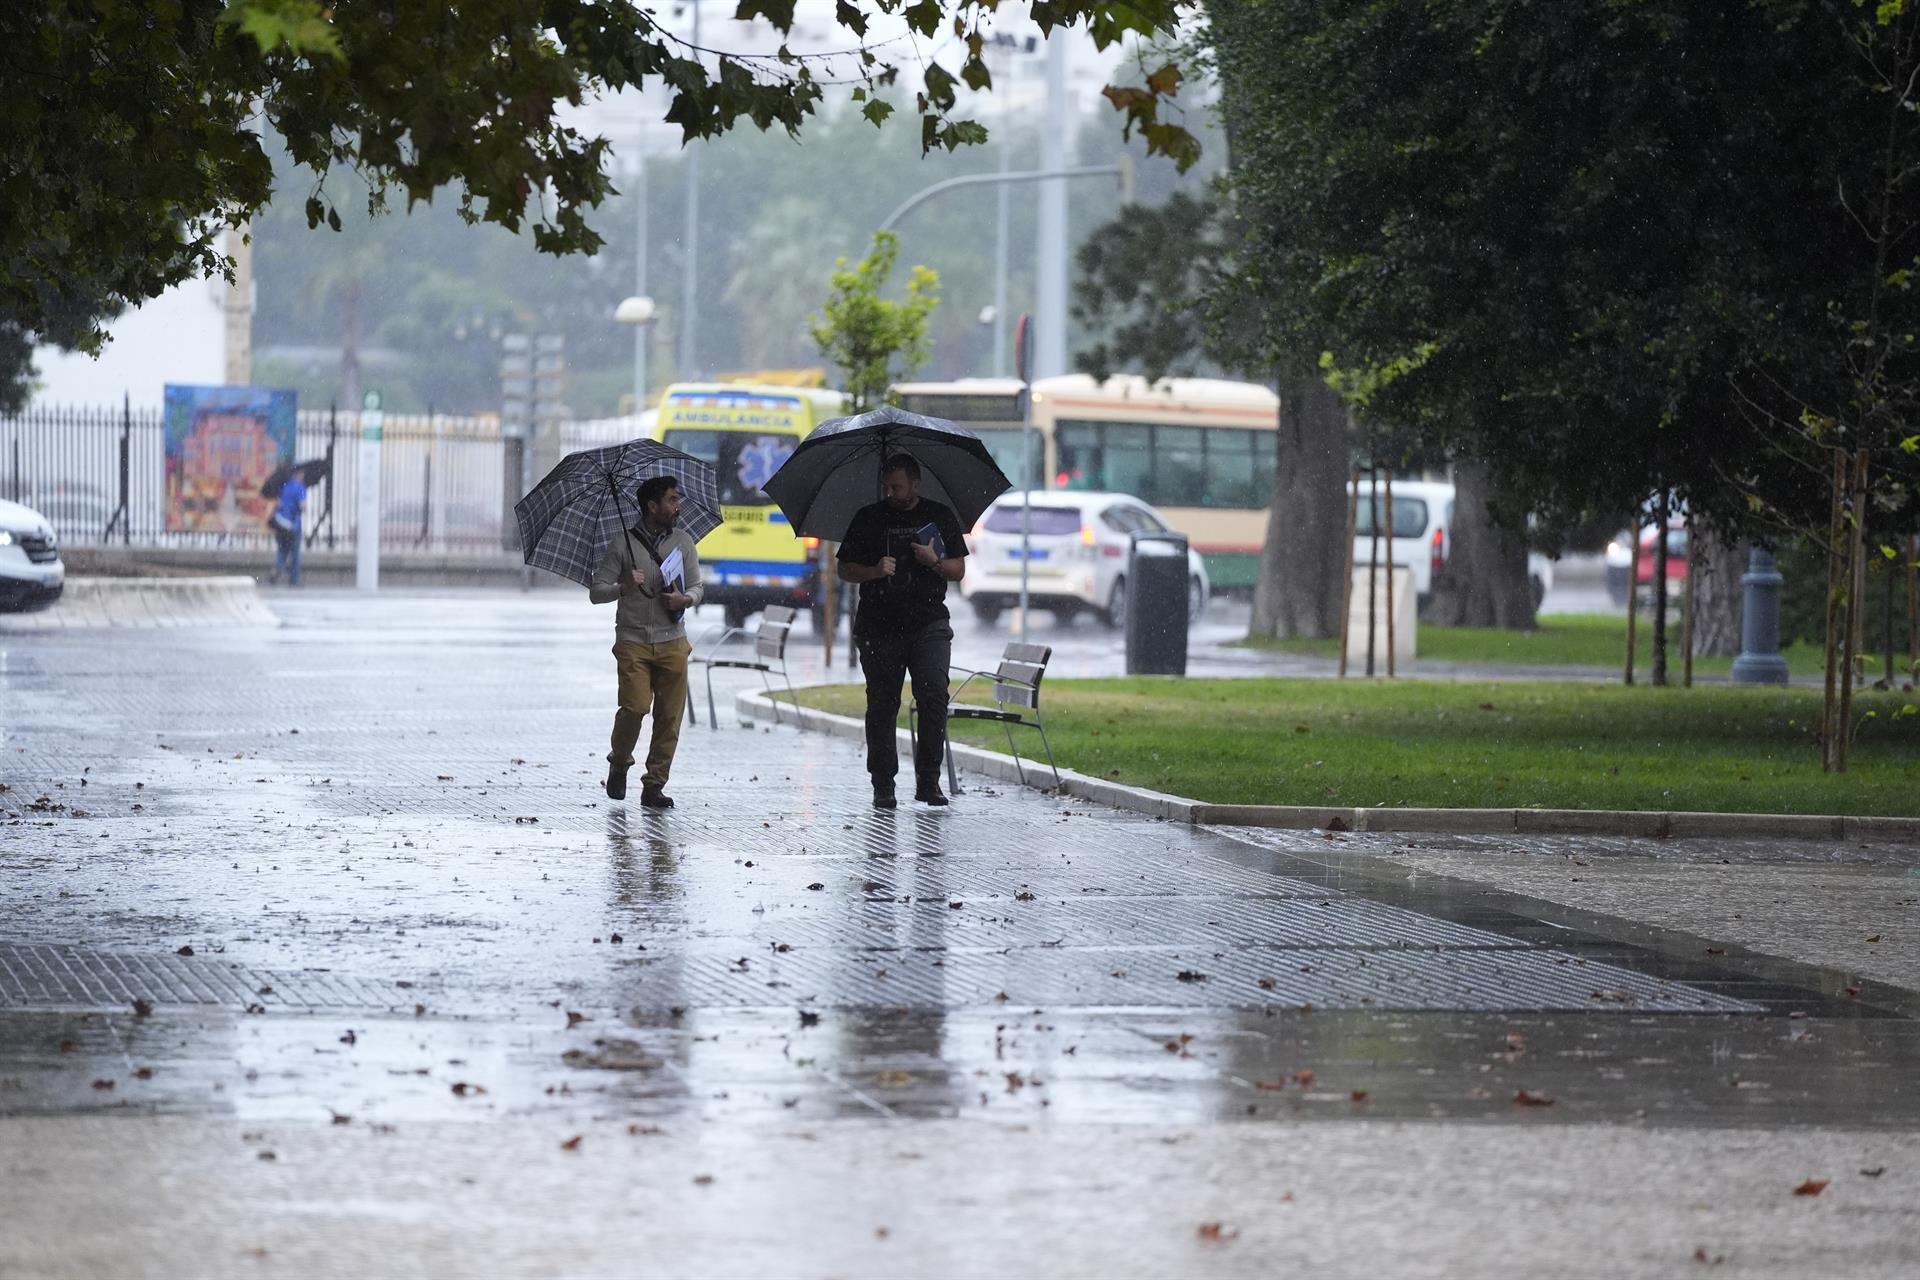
{"x":640,"y":618}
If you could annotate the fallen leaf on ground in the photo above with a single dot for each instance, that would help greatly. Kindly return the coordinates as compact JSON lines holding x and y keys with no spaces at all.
{"x":461,"y":1089}
{"x":1217,"y":1232}
{"x":1303,"y":1077}
{"x":1268,"y":984}
{"x":146,"y":1073}
{"x":1191,"y":975}
{"x":573,"y":1143}
{"x":187,"y":951}
{"x":808,"y":1018}
{"x":1873,"y":1173}
{"x":1358,"y":1095}
{"x":103,"y":1084}
{"x":703,"y":1180}
{"x":816,"y":886}
{"x":1271,"y":1086}
{"x":1526,"y":1099}
{"x":1705,"y":1259}
{"x":575,"y":1019}
{"x":1812,"y":1187}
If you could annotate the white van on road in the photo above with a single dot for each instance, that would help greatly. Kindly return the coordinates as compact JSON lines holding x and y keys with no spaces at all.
{"x":31,"y":575}
{"x":1422,"y":533}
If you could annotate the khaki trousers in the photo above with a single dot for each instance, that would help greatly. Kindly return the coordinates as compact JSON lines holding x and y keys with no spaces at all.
{"x":653,"y":678}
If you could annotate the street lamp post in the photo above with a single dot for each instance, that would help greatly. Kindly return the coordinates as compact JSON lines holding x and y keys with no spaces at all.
{"x":637,"y":311}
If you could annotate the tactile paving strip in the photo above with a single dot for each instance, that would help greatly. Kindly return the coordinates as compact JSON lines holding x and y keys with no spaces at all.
{"x":54,"y":977}
{"x":1151,"y":978}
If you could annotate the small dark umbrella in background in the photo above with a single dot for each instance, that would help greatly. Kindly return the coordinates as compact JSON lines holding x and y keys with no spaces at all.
{"x":311,"y":472}
{"x":836,"y":469}
{"x":586,"y":502}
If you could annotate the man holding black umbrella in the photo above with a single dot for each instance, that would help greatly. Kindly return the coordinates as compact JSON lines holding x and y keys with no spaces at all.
{"x":903,"y":551}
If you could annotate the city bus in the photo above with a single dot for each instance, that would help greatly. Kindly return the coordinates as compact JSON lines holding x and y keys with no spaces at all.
{"x":754,"y":559}
{"x":1201,"y":450}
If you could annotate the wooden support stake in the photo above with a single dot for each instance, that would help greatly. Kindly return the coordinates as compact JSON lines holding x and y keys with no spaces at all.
{"x":1633,"y":592}
{"x":1389,"y":523}
{"x":1686,"y":618}
{"x":1346,"y":581}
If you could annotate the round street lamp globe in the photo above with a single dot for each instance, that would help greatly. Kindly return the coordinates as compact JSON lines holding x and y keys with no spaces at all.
{"x":634,"y":311}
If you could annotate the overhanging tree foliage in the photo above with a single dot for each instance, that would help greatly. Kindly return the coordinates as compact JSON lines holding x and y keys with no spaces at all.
{"x":1557,"y":237}
{"x":133,"y":131}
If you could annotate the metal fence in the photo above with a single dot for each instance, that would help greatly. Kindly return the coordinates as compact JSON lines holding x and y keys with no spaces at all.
{"x":100,"y":476}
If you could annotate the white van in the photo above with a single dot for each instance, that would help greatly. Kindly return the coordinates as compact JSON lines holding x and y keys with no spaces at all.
{"x":1422,"y":533}
{"x":31,"y":575}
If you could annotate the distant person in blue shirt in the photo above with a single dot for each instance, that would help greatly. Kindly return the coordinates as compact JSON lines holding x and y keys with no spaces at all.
{"x":286,"y":530}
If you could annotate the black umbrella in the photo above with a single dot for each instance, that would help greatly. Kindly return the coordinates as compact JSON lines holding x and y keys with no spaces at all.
{"x":836,"y":469}
{"x":587,"y":501}
{"x":311,"y":472}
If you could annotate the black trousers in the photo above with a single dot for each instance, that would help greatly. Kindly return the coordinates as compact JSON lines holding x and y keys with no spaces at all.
{"x":887,"y":658}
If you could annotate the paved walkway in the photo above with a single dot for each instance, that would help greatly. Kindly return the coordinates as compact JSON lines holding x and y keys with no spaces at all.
{"x":318,"y":948}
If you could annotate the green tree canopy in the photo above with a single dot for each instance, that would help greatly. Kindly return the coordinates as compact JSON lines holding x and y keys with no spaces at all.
{"x":133,"y":132}
{"x":874,"y":340}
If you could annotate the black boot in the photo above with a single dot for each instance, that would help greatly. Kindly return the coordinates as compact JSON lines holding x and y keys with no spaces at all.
{"x":617,"y":780}
{"x":883,"y":797}
{"x":652,"y":797}
{"x":930,"y":793}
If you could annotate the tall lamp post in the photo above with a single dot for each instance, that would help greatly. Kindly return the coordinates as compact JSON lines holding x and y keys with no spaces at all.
{"x":637,"y":311}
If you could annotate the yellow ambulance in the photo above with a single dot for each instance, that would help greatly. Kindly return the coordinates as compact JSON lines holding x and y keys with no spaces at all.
{"x":753,"y":559}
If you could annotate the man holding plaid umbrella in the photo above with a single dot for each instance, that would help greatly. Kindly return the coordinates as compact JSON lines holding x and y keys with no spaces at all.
{"x":654,"y":575}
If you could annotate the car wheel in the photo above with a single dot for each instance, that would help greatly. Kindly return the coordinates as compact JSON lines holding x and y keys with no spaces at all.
{"x":987,"y":611}
{"x":1196,"y":600}
{"x":1117,"y":605}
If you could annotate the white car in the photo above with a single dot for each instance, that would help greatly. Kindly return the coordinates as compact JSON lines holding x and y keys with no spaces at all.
{"x":1079,"y":542}
{"x":1422,"y":535}
{"x":31,"y":575}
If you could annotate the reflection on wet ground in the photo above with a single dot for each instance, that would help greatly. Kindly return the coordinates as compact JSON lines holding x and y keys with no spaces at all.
{"x":365,"y":870}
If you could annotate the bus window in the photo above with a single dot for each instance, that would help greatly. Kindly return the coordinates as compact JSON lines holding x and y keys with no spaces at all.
{"x":1179,"y":468}
{"x":1005,"y":448}
{"x":1231,"y":480}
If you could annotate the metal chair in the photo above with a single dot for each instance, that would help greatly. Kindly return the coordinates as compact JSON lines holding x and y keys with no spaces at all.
{"x":770,"y":653}
{"x":1016,"y":697}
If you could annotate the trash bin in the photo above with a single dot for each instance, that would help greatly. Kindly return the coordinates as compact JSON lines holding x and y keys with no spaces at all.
{"x":1157,"y":605}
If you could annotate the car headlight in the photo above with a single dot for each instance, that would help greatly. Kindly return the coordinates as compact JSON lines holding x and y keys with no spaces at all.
{"x":6,"y":537}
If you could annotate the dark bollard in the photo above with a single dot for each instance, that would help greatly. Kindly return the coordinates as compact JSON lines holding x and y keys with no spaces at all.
{"x":1760,"y":661}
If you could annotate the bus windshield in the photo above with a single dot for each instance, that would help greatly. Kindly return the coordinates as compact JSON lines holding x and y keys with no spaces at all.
{"x":742,"y":460}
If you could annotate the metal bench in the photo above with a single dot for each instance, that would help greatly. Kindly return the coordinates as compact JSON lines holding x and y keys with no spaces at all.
{"x":770,"y":659}
{"x":1016,"y":701}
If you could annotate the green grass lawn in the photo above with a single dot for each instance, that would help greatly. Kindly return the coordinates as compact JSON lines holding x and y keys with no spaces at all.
{"x":1472,"y":745}
{"x":1562,"y":640}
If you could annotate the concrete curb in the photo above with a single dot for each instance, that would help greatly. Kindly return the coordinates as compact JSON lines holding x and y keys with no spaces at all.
{"x":150,"y":602}
{"x":755,"y":705}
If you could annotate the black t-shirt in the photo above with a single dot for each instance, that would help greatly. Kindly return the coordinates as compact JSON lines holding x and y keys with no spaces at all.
{"x":916,"y":594}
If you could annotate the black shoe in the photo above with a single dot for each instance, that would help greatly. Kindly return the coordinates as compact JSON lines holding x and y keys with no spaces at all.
{"x":930,"y":795}
{"x":617,"y":781}
{"x":655,"y":798}
{"x":883,"y":798}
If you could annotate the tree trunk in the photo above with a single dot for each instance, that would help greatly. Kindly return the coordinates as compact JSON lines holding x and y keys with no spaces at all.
{"x":1484,"y":580}
{"x":1298,"y":592}
{"x":1717,"y":594}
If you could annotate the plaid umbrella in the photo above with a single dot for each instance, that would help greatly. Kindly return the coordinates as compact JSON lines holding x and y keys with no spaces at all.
{"x":588,"y":500}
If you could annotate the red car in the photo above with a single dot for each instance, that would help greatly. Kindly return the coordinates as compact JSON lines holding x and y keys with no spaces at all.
{"x":1620,"y":560}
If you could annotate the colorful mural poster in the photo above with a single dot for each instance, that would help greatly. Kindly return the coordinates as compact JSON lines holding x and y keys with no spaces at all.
{"x":222,"y":445}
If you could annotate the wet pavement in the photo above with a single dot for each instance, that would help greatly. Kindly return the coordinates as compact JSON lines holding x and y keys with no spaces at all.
{"x":319,"y":945}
